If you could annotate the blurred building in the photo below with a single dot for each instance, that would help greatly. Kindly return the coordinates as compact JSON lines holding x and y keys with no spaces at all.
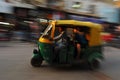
{"x":6,"y":10}
{"x":98,"y":11}
{"x":61,"y":9}
{"x":102,"y":8}
{"x":117,"y":4}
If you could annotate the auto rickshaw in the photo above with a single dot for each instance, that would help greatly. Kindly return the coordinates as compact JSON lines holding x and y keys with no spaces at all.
{"x":91,"y":54}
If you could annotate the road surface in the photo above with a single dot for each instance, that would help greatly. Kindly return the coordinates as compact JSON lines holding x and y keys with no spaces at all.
{"x":15,"y":65}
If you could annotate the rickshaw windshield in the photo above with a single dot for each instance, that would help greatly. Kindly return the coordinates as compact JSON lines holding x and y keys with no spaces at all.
{"x":47,"y":31}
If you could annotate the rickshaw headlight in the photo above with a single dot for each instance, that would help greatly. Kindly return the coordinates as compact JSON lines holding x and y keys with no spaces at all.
{"x":35,"y":51}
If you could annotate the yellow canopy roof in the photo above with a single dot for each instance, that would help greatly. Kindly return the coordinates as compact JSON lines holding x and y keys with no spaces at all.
{"x":78,"y":23}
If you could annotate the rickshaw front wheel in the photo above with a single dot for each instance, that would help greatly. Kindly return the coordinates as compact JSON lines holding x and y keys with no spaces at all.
{"x":36,"y":62}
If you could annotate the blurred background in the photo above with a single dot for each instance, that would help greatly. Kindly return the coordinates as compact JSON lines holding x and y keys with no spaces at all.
{"x":17,"y":17}
{"x":19,"y":32}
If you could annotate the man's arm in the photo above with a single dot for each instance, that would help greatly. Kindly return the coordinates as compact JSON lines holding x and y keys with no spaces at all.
{"x":59,"y":36}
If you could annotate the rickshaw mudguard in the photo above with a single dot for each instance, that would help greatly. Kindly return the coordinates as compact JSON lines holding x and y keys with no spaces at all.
{"x":35,"y":55}
{"x":94,"y":52}
{"x":95,"y":56}
{"x":46,"y":51}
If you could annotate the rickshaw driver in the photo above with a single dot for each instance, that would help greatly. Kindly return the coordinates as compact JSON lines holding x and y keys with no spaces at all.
{"x":61,"y":31}
{"x":81,"y":41}
{"x":59,"y":40}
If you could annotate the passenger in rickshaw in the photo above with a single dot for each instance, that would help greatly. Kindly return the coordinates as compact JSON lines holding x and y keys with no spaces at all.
{"x":80,"y":40}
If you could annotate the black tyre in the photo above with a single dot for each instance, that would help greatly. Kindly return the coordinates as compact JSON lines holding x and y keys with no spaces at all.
{"x":95,"y":64}
{"x":36,"y":62}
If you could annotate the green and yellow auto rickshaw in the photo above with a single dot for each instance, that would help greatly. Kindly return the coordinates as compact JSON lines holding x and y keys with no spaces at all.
{"x":67,"y":52}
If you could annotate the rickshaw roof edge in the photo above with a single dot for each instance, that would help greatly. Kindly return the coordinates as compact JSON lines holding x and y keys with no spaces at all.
{"x":78,"y":23}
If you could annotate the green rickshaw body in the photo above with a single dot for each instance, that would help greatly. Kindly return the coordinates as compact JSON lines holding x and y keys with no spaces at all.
{"x":46,"y":51}
{"x":66,"y":54}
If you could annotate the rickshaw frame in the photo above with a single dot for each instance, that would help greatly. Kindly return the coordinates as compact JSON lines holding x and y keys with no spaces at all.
{"x":91,"y":55}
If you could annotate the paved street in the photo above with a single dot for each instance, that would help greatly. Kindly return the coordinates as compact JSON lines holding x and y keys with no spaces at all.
{"x":15,"y":65}
{"x":111,"y":64}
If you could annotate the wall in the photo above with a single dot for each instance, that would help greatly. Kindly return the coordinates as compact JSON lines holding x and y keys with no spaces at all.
{"x":6,"y":7}
{"x":84,"y":5}
{"x":107,"y":11}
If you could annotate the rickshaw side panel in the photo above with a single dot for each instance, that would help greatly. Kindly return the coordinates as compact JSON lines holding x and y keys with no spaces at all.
{"x":95,"y":37}
{"x":46,"y":50}
{"x":66,"y":54}
{"x":63,"y":55}
{"x":94,"y":52}
{"x":71,"y":54}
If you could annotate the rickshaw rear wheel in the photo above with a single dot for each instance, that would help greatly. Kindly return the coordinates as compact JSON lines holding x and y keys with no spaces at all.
{"x":95,"y":64}
{"x":36,"y":62}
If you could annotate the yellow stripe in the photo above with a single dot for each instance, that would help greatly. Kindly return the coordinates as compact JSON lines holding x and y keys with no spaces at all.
{"x":43,"y":40}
